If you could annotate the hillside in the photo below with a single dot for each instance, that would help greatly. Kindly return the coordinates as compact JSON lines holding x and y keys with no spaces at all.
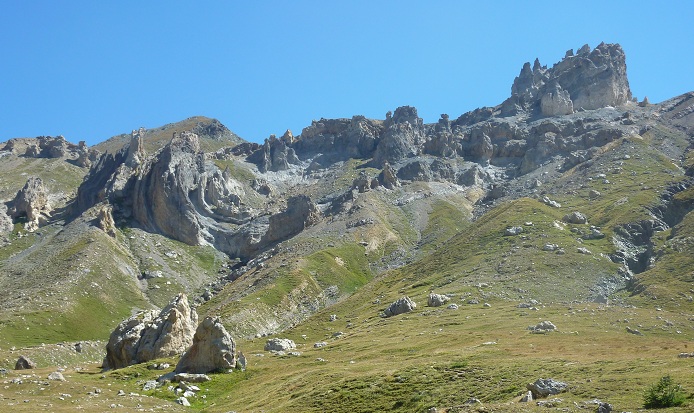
{"x":570,"y":203}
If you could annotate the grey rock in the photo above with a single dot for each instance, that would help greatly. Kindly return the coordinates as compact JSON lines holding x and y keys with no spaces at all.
{"x":279,"y":344}
{"x":56,"y":376}
{"x":241,"y":362}
{"x":584,"y":251}
{"x":24,"y":363}
{"x":6,"y":225}
{"x":593,"y":194}
{"x":320,"y":344}
{"x":527,"y":397}
{"x":575,"y":218}
{"x":400,"y":306}
{"x":150,"y":335}
{"x":556,"y":102}
{"x":513,"y":231}
{"x":213,"y":349}
{"x":452,"y":306}
{"x":634,"y":331}
{"x":437,"y":300}
{"x":604,"y":407}
{"x":32,"y":202}
{"x":190,"y":377}
{"x":183,"y":402}
{"x":550,"y":202}
{"x":546,"y":387}
{"x":543,"y":326}
{"x":149,"y":385}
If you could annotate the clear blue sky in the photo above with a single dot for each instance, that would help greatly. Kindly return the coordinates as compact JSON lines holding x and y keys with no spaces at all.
{"x":92,"y":69}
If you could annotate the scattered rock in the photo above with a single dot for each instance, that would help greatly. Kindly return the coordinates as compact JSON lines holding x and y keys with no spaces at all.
{"x":604,"y":407}
{"x":584,"y":251}
{"x":550,"y":247}
{"x":685,"y":355}
{"x":213,"y":349}
{"x":183,"y":402}
{"x":437,"y":300}
{"x":543,"y":327}
{"x":546,"y":387}
{"x":634,"y":331}
{"x":320,"y":344}
{"x":149,"y":385}
{"x":575,"y":218}
{"x":593,"y":194}
{"x":452,"y":306}
{"x":513,"y":231}
{"x":24,"y":363}
{"x":190,"y":377}
{"x":550,"y":202}
{"x":56,"y":376}
{"x":279,"y":344}
{"x":400,"y":306}
{"x":527,"y":397}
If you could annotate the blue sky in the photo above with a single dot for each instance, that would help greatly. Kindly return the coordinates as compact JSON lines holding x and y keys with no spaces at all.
{"x":92,"y":69}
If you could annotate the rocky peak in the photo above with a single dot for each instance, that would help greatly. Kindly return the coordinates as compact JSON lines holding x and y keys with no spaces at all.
{"x":136,"y":150}
{"x":588,"y":80}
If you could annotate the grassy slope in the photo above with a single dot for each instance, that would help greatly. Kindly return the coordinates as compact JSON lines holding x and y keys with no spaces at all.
{"x":157,"y":138}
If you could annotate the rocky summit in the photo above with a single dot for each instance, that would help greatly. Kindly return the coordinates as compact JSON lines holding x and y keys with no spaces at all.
{"x":569,"y":201}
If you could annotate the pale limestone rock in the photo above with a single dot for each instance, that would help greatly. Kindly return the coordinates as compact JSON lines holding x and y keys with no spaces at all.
{"x":147,"y":336}
{"x":213,"y":350}
{"x":400,"y":306}
{"x":32,"y":201}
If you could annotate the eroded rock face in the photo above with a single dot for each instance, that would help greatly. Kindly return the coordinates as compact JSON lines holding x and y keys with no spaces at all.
{"x":32,"y":201}
{"x":179,"y":194}
{"x":590,"y":79}
{"x":148,"y":335}
{"x":213,"y":350}
{"x":5,"y":221}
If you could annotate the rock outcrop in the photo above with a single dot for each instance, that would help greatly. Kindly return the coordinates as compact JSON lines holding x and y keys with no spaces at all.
{"x":31,"y":202}
{"x":178,"y":193}
{"x":213,"y":350}
{"x":149,"y":335}
{"x":588,"y":80}
{"x":5,"y":221}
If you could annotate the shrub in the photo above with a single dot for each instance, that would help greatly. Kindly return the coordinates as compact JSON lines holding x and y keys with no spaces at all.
{"x":666,"y":393}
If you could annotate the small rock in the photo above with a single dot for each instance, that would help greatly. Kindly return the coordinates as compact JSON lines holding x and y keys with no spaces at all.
{"x":546,"y":387}
{"x":584,"y":251}
{"x":437,"y":300}
{"x":190,"y":378}
{"x":279,"y":344}
{"x":575,"y":218}
{"x":604,"y":407}
{"x":149,"y":385}
{"x":56,"y":376}
{"x":527,"y":397}
{"x":452,"y":306}
{"x":183,"y":402}
{"x":333,"y":317}
{"x":543,"y":327}
{"x":550,"y":247}
{"x":400,"y":306}
{"x":320,"y":344}
{"x":513,"y":231}
{"x":634,"y":331}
